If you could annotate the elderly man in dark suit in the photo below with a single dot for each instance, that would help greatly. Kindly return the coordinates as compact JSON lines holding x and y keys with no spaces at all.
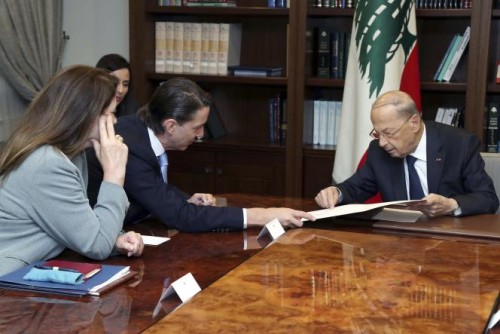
{"x":414,"y":159}
{"x":172,"y":120}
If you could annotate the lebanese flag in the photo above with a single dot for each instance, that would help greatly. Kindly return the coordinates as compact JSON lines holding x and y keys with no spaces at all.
{"x":383,"y":56}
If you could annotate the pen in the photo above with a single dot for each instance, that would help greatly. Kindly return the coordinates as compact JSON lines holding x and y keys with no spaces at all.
{"x":57,"y":269}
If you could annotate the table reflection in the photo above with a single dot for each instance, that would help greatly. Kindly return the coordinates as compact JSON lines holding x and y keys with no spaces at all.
{"x":43,"y":314}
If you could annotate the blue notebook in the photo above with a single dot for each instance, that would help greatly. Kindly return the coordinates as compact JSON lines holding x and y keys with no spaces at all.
{"x":107,"y":278}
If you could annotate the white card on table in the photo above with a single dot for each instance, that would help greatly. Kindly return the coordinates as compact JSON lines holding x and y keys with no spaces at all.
{"x":185,"y":287}
{"x":274,"y":229}
{"x":150,"y":240}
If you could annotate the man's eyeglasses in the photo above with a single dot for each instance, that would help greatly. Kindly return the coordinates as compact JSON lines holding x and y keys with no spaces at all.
{"x":376,"y":135}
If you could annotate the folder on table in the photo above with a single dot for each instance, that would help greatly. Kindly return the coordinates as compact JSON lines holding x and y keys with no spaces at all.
{"x":108,"y":277}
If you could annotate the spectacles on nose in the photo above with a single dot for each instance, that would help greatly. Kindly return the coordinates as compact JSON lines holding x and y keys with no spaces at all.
{"x":376,"y":135}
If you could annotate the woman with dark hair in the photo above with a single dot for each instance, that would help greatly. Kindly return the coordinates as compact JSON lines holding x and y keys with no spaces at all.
{"x":43,"y":175}
{"x":119,"y":67}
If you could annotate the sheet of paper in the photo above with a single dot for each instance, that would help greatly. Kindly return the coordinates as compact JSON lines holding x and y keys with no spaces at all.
{"x":398,"y":215}
{"x":152,"y":240}
{"x":356,"y":208}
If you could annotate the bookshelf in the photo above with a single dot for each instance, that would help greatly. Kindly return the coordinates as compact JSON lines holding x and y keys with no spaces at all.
{"x":245,"y":160}
{"x":492,"y":90}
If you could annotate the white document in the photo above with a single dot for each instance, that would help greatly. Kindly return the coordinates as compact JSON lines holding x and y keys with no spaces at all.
{"x":348,"y":209}
{"x":149,"y":240}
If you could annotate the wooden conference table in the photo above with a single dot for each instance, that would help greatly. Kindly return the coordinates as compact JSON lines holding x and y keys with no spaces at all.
{"x":332,"y":276}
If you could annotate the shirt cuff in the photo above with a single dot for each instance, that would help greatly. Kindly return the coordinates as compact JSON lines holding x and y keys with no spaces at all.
{"x":457,"y":211}
{"x":245,"y":219}
{"x":341,"y":197}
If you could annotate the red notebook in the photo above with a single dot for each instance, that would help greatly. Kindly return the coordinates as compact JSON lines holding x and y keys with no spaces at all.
{"x":86,"y":269}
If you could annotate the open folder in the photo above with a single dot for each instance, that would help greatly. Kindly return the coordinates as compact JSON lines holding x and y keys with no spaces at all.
{"x":108,"y":277}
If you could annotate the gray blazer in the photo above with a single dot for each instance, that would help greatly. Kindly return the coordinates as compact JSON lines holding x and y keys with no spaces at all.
{"x":44,"y":209}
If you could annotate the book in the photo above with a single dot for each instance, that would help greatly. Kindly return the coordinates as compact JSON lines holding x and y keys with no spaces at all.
{"x":308,"y":122}
{"x":309,"y":46}
{"x":108,"y":277}
{"x":229,"y":46}
{"x":439,"y":115}
{"x":169,"y":46}
{"x":322,"y":52}
{"x":196,"y":48}
{"x":335,"y":55}
{"x":492,"y":130}
{"x":178,"y":47}
{"x":209,"y":3}
{"x":213,"y":47}
{"x":160,"y":46}
{"x":255,"y":71}
{"x":342,"y":55}
{"x":186,"y":47}
{"x":86,"y":269}
{"x":449,"y":114}
{"x":443,"y":60}
{"x":205,"y":35}
{"x":449,"y":56}
{"x":458,"y":55}
{"x":316,"y":122}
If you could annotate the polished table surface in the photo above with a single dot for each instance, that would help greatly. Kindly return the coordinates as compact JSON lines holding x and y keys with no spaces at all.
{"x":331,"y":276}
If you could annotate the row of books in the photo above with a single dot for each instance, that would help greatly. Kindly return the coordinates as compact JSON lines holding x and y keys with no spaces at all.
{"x":452,"y":116}
{"x":277,"y":119}
{"x":452,"y":56}
{"x":197,"y":48}
{"x":444,"y":4}
{"x":198,"y":3}
{"x":491,"y":128}
{"x":330,"y":52}
{"x":321,"y":122}
{"x":334,"y":3}
{"x":278,"y":3}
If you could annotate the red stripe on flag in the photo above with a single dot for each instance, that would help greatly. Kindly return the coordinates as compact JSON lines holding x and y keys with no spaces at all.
{"x":410,"y":79}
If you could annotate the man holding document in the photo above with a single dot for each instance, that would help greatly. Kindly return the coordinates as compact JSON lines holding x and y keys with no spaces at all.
{"x":413,"y":159}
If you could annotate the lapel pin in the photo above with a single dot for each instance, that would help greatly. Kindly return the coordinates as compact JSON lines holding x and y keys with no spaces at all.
{"x":438,"y":159}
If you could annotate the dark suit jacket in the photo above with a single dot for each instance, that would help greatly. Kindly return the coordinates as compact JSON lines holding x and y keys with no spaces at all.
{"x":147,"y":192}
{"x":455,"y":169}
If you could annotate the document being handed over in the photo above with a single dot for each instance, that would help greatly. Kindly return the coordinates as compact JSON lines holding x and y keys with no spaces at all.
{"x":384,"y":214}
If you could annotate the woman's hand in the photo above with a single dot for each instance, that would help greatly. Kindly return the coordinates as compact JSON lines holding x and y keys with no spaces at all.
{"x":111,"y":152}
{"x":129,"y":243}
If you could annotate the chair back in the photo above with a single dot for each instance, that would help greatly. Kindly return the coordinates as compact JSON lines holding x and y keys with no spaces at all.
{"x":492,"y":167}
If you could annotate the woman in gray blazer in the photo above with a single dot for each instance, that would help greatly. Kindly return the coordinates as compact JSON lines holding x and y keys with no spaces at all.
{"x":43,"y":175}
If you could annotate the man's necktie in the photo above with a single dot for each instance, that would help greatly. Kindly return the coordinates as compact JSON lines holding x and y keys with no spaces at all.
{"x":416,"y":191}
{"x":162,"y":159}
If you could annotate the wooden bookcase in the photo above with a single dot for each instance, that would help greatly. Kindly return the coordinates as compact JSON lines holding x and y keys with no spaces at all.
{"x":491,"y":24}
{"x":244,"y":160}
